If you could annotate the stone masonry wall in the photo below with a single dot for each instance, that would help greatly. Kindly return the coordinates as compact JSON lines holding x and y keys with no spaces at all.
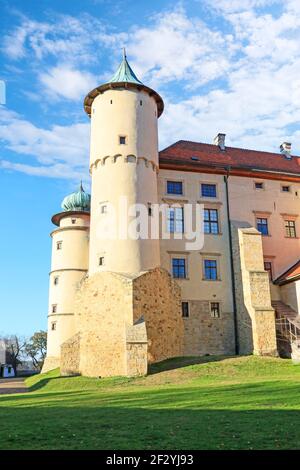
{"x":205,"y":334}
{"x":256,"y":317}
{"x":157,"y":297}
{"x":70,"y":356}
{"x":123,"y":323}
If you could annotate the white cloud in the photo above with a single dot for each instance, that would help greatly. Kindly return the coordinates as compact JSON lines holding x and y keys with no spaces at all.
{"x":65,"y":81}
{"x":185,"y":49}
{"x":257,"y":103}
{"x":60,"y":151}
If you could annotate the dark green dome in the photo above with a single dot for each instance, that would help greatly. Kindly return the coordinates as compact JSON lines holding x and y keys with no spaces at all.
{"x":78,"y":201}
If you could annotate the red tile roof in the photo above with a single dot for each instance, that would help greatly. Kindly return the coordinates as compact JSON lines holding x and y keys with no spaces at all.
{"x":180,"y":154}
{"x":291,"y":274}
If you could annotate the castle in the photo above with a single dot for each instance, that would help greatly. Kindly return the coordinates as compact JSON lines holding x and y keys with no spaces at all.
{"x":118,"y":303}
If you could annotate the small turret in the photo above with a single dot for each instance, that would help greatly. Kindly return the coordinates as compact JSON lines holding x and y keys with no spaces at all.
{"x":70,"y":247}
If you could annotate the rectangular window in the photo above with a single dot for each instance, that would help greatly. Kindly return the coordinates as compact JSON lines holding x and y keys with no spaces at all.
{"x":175,"y":220}
{"x":185,"y":309}
{"x":262,"y":226}
{"x":53,"y":326}
{"x":211,"y":223}
{"x":268,"y":268}
{"x":174,"y":187}
{"x":258,"y":185}
{"x":103,"y":209}
{"x":73,"y":221}
{"x":54,"y":308}
{"x":178,"y":268}
{"x":101,"y":261}
{"x":285,"y":189}
{"x":290,"y":228}
{"x":56,"y":280}
{"x":210,"y":269}
{"x":208,"y":190}
{"x":122,"y":140}
{"x":58,"y":245}
{"x":215,"y":309}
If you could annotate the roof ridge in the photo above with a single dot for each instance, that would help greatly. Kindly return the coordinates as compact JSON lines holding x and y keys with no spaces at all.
{"x":227,"y":147}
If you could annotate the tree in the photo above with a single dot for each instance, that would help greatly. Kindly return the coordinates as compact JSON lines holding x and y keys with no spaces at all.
{"x":35,"y":348}
{"x":15,"y":346}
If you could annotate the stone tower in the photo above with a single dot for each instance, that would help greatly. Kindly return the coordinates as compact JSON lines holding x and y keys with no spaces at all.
{"x":69,"y":265}
{"x":124,"y":167}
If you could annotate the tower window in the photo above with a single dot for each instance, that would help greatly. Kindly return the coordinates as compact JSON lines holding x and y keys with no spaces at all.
{"x":141,"y":103}
{"x":103,"y":209}
{"x":56,"y":280}
{"x":110,"y":101}
{"x":53,"y":326}
{"x":258,"y":185}
{"x":215,"y":309}
{"x":185,"y":309}
{"x":122,"y":140}
{"x":73,"y":221}
{"x":149,"y":209}
{"x":285,"y":189}
{"x":101,"y":261}
{"x":54,"y":308}
{"x":58,"y":245}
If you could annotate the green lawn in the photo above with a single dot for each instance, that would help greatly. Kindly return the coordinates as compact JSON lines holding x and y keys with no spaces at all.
{"x":185,"y":403}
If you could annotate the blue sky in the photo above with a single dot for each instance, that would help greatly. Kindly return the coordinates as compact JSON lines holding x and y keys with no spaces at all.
{"x":230,"y":66}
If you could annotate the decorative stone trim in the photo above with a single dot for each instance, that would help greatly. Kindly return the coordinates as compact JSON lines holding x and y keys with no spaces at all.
{"x":62,"y":229}
{"x":130,"y":158}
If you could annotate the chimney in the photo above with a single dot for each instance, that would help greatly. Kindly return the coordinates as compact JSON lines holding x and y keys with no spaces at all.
{"x":220,"y":141}
{"x":285,"y":149}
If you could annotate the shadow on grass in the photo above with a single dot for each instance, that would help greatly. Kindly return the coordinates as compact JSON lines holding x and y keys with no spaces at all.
{"x":179,"y":362}
{"x":169,"y":419}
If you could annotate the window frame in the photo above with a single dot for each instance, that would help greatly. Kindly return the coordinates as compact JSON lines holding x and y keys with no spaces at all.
{"x":261,"y":188}
{"x":269,"y":271}
{"x":210,"y":185}
{"x":174,"y":192}
{"x":210,"y":269}
{"x":185,"y":314}
{"x":288,"y":228}
{"x":212,"y":310}
{"x":179,"y":267}
{"x":262,"y":224}
{"x":209,"y":222}
{"x":175,"y":224}
{"x":121,"y":136}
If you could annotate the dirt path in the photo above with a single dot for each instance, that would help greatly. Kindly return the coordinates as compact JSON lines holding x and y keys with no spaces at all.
{"x":15,"y":385}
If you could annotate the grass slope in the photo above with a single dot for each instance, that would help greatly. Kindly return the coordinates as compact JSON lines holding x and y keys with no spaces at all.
{"x":185,"y":403}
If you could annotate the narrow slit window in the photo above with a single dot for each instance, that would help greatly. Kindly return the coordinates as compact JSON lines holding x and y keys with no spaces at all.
{"x":215,"y":309}
{"x":101,"y":261}
{"x":185,"y":309}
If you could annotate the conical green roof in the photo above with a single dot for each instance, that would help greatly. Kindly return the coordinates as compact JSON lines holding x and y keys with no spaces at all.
{"x":125,"y":73}
{"x":78,"y":201}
